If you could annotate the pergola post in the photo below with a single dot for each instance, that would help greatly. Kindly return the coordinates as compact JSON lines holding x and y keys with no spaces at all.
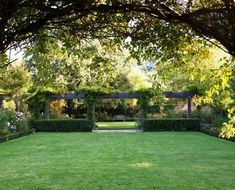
{"x":46,"y":111}
{"x":141,"y":123}
{"x":91,"y":112}
{"x":1,"y":103}
{"x":189,"y":107}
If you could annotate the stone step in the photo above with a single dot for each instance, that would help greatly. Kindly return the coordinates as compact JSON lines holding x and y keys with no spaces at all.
{"x":118,"y":131}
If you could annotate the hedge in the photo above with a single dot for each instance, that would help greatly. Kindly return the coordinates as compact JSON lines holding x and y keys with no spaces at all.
{"x":172,"y":124}
{"x":59,"y":125}
{"x":210,"y":129}
{"x":16,"y":135}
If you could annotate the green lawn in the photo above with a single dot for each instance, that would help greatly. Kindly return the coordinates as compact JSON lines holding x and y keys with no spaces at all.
{"x":128,"y":161}
{"x":117,"y":125}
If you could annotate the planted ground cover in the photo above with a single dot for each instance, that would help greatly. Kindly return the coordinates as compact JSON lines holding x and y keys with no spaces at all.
{"x":117,"y":125}
{"x":164,"y":160}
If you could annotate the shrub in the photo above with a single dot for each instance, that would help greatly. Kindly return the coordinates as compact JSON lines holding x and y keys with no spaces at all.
{"x":172,"y":113}
{"x":3,"y":131}
{"x":22,"y":125}
{"x":218,"y":120}
{"x":205,"y":114}
{"x":56,"y":108}
{"x":7,"y":122}
{"x":210,"y":129}
{"x":21,"y":122}
{"x":171,"y":124}
{"x":11,"y":122}
{"x":59,"y":125}
{"x":154,"y":109}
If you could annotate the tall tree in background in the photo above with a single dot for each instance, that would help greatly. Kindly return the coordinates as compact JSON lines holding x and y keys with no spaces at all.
{"x":89,"y":63}
{"x":16,"y":80}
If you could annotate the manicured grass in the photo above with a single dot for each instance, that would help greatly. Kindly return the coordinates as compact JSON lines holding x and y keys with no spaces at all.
{"x":117,"y":125}
{"x":128,"y":161}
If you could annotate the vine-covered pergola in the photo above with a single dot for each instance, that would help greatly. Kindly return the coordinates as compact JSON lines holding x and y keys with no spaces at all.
{"x":119,"y":95}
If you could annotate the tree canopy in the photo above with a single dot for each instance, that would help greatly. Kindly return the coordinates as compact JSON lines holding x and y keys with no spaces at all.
{"x":21,"y":20}
{"x":88,"y":64}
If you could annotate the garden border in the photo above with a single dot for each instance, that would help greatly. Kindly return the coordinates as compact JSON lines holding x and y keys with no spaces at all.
{"x":211,"y":130}
{"x":16,"y":135}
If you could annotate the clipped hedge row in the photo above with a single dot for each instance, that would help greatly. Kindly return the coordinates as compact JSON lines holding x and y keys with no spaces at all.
{"x":210,"y":129}
{"x":172,"y":124}
{"x":16,"y":135}
{"x":59,"y":125}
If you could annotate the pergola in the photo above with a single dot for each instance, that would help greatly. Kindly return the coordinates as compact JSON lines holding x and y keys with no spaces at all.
{"x":120,"y":95}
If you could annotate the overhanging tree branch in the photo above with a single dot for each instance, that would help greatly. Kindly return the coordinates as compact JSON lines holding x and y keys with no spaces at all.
{"x":22,"y":19}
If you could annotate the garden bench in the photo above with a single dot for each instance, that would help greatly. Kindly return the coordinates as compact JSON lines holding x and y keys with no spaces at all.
{"x":119,"y":118}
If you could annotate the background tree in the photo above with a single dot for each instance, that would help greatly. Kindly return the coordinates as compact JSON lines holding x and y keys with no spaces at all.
{"x":16,"y":80}
{"x":89,"y":63}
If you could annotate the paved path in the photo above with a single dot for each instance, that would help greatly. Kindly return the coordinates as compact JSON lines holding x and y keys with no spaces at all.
{"x":118,"y":131}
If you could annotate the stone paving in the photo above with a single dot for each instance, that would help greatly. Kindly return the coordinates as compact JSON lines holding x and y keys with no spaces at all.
{"x":118,"y":131}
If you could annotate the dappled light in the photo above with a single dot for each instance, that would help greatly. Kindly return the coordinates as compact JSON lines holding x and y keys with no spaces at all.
{"x":142,"y":165}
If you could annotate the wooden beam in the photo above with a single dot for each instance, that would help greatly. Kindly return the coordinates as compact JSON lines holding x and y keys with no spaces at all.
{"x":178,"y":94}
{"x":120,"y":95}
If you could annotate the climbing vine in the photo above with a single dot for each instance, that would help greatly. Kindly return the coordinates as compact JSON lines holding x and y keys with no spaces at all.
{"x":91,"y":96}
{"x":144,"y":100}
{"x":38,"y":99}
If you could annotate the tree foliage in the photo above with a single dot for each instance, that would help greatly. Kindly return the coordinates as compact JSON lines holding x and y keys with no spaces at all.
{"x":89,"y":63}
{"x":21,"y":20}
{"x":16,"y":81}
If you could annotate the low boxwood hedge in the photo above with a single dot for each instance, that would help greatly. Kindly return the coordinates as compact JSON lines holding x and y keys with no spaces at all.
{"x":210,"y":129}
{"x":172,"y":124}
{"x":16,"y":135}
{"x":59,"y":125}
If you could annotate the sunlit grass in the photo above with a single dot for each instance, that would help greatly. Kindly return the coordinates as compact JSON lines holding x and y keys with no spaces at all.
{"x":107,"y":161}
{"x":142,"y":165}
{"x":117,"y":125}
